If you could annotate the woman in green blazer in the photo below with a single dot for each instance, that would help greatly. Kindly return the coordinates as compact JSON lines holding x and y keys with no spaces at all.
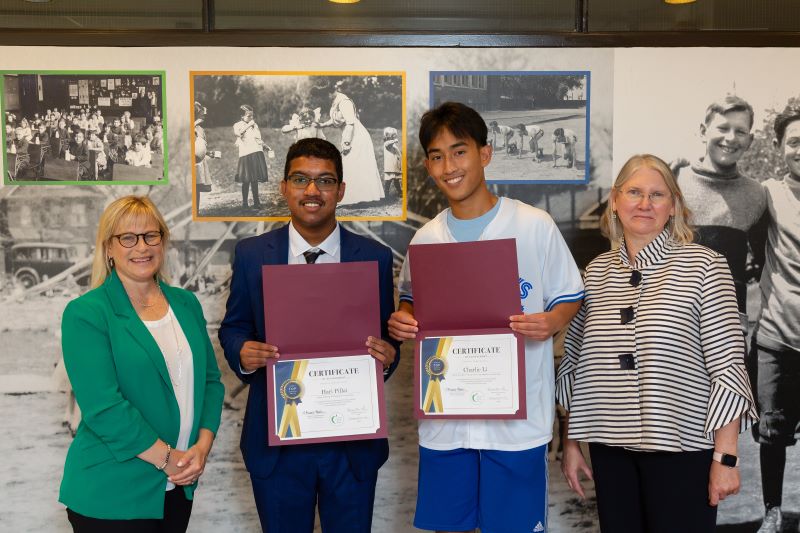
{"x":146,"y":379}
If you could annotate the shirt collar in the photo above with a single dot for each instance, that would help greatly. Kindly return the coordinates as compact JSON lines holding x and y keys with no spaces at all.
{"x":651,"y":254}
{"x":298,"y":245}
{"x":704,"y":169}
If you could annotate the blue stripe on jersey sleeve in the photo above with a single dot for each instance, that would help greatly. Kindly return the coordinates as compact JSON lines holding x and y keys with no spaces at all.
{"x":564,"y":298}
{"x":406,"y":298}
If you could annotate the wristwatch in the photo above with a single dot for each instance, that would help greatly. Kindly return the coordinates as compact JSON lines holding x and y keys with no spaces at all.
{"x":726,"y":459}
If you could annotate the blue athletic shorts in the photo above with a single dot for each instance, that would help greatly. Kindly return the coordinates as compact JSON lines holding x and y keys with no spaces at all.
{"x":498,"y":492}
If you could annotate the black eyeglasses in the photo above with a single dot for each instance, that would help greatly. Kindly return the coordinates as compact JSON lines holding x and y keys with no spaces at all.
{"x":323,"y":183}
{"x":129,"y":240}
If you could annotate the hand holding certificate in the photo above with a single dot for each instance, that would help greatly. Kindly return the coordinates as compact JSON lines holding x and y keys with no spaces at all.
{"x":325,"y":386}
{"x":468,"y":363}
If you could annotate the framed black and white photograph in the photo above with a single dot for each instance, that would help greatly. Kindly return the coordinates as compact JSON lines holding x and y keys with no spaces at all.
{"x":244,"y":123}
{"x":84,"y":127}
{"x":538,"y":121}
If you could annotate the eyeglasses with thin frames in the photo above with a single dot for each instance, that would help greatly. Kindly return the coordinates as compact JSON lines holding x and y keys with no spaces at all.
{"x":129,"y":240}
{"x":323,"y":183}
{"x":635,"y":196}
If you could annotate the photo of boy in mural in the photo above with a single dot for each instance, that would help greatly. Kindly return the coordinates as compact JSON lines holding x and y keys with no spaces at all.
{"x":774,"y":362}
{"x":501,"y":132}
{"x":535,"y":134}
{"x":728,"y":207}
{"x":564,"y":143}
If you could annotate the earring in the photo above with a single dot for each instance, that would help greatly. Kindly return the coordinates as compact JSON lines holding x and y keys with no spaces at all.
{"x":110,"y":262}
{"x":614,"y":216}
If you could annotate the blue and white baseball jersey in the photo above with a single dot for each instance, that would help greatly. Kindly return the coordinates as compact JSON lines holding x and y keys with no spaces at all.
{"x":548,"y":276}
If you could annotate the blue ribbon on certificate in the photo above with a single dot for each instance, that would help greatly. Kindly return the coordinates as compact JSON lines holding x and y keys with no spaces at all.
{"x":291,"y":391}
{"x":436,"y":368}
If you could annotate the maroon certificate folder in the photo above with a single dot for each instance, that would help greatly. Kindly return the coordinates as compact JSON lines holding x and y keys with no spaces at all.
{"x":461,"y":289}
{"x":319,"y":316}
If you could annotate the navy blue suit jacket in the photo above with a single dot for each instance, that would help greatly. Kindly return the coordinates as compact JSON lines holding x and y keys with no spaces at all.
{"x":244,"y":320}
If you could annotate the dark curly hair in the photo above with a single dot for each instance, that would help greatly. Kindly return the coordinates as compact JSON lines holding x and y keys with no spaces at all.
{"x":787,"y":116}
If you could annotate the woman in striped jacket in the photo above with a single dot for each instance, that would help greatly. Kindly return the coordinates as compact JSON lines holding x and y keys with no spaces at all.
{"x":653,"y":374}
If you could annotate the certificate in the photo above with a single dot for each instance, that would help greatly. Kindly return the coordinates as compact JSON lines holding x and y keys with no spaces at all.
{"x":470,"y":376}
{"x":324,"y":399}
{"x":468,"y":361}
{"x":325,"y":386}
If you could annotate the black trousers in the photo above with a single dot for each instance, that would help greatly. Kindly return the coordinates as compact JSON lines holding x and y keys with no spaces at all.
{"x":652,"y":492}
{"x":177,"y":510}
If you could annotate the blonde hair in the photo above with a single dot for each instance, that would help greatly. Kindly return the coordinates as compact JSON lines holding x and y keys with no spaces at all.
{"x":679,"y":225}
{"x":128,"y":209}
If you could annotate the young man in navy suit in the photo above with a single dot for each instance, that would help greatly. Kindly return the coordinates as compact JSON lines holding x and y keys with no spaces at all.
{"x":288,"y":481}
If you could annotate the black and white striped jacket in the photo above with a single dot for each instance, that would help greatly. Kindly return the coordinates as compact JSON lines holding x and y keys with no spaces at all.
{"x":654,"y":359}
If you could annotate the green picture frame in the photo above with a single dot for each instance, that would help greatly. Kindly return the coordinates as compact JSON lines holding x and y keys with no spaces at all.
{"x":127,"y":86}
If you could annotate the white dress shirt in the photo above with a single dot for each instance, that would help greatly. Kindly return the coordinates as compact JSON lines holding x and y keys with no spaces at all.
{"x":298,"y":245}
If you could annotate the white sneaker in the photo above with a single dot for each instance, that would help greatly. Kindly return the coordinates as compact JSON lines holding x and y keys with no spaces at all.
{"x":773,"y":521}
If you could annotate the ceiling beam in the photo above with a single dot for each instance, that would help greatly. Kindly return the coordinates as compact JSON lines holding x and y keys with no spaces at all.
{"x":11,"y":37}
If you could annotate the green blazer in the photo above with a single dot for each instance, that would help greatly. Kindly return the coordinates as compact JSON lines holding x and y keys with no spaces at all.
{"x":122,"y":386}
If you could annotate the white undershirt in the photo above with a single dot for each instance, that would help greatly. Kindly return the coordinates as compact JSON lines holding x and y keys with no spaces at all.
{"x":181,"y":371}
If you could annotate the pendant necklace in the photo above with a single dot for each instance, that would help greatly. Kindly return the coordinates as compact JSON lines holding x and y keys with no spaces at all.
{"x":146,"y":305}
{"x":176,"y":380}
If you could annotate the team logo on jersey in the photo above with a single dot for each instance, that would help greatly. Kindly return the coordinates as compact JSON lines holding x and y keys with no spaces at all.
{"x":539,"y":527}
{"x":525,"y":287}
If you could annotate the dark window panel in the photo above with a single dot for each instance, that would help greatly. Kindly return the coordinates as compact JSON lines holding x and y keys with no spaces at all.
{"x":440,"y":16}
{"x":656,"y":15}
{"x":102,"y":14}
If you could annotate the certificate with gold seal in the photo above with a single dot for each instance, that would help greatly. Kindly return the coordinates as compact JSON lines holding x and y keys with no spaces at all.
{"x":325,"y":386}
{"x":478,"y":375}
{"x":468,"y":362}
{"x":322,"y":399}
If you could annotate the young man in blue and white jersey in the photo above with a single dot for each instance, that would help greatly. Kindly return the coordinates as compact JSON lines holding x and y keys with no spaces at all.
{"x":490,"y":474}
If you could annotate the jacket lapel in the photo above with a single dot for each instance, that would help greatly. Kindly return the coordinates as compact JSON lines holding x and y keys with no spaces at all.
{"x":350,"y":250}
{"x":275,"y":252}
{"x":133,"y":324}
{"x":276,"y":247}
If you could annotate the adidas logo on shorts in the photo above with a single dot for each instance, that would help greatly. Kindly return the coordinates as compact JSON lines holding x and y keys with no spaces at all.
{"x":539,"y":527}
